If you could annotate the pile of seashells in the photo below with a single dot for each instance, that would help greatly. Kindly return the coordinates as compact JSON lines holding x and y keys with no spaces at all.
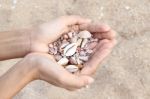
{"x":73,"y":49}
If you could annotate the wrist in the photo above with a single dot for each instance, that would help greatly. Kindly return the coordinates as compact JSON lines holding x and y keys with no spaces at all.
{"x":37,"y":40}
{"x":31,"y":62}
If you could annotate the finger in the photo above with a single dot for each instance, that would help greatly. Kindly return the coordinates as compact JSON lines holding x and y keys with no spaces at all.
{"x":74,"y":20}
{"x":103,"y":49}
{"x":105,"y":35}
{"x":93,"y":27}
{"x":73,"y":82}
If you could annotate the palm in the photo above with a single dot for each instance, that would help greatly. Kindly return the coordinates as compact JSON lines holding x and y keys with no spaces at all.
{"x":102,"y":50}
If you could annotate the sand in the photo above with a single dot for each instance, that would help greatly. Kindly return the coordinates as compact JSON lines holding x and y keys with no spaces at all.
{"x":126,"y":72}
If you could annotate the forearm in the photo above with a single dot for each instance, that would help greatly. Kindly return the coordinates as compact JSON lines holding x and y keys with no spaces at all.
{"x":16,"y":78}
{"x":14,"y":44}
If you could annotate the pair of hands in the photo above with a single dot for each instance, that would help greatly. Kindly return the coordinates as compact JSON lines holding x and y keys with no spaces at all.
{"x":48,"y":69}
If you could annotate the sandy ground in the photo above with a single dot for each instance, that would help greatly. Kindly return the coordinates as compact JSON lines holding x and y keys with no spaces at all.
{"x":125,"y":74}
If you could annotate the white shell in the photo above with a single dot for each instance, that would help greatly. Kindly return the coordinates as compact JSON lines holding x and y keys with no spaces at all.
{"x":85,"y":34}
{"x":72,"y":68}
{"x":84,"y":42}
{"x":63,"y":61}
{"x":79,"y":41}
{"x":70,"y":49}
{"x":78,"y":60}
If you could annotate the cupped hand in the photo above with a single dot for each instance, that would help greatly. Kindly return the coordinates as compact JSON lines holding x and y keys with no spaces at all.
{"x":107,"y":41}
{"x":49,"y":32}
{"x":51,"y":72}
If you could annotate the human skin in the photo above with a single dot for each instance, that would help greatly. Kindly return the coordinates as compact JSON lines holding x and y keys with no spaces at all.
{"x":32,"y":44}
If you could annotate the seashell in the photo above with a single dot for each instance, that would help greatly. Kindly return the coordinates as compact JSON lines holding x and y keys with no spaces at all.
{"x":50,"y":45}
{"x":65,"y":36}
{"x":59,"y":42}
{"x":94,"y":40}
{"x":61,"y":38}
{"x":82,"y":53}
{"x":70,"y":34}
{"x":55,"y":44}
{"x":78,"y":60}
{"x":53,"y":51}
{"x":72,"y":60}
{"x":89,"y":51}
{"x":84,"y":34}
{"x":84,"y":42}
{"x":74,"y":33}
{"x":80,"y":66}
{"x":74,"y":39}
{"x":57,"y":57}
{"x":64,"y":41}
{"x":78,"y":49}
{"x":91,"y":45}
{"x":79,"y":41}
{"x":64,"y":44}
{"x":70,"y":49}
{"x":72,"y":68}
{"x":84,"y":58}
{"x":63,"y":61}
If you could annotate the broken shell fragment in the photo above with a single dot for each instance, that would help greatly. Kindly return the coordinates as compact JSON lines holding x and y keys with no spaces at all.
{"x":72,"y":60}
{"x":79,"y":41}
{"x":50,"y":45}
{"x":70,"y":49}
{"x":64,"y":44}
{"x":93,"y":40}
{"x":72,"y":68}
{"x":52,"y":51}
{"x":57,"y":57}
{"x":82,"y":53}
{"x":78,"y":60}
{"x":84,"y":58}
{"x":84,"y":42}
{"x":63,"y":61}
{"x":85,"y":34}
{"x":80,"y":66}
{"x":70,"y":34}
{"x":65,"y":36}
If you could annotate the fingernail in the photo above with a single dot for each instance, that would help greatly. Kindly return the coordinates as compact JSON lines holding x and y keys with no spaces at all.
{"x":87,"y":86}
{"x":90,"y":80}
